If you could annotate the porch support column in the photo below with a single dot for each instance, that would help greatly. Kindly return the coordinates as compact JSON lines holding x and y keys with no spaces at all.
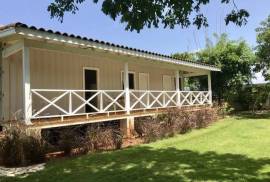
{"x":127,"y":127}
{"x":177,"y":87}
{"x":1,"y":83}
{"x":209,"y":88}
{"x":126,"y":87}
{"x":27,"y":99}
{"x":182,"y":82}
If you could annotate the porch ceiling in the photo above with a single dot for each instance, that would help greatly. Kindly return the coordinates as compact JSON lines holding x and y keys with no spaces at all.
{"x":18,"y":30}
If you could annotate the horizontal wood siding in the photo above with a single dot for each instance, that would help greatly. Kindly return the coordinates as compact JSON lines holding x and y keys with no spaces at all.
{"x":13,"y":87}
{"x":61,"y":70}
{"x":57,"y":70}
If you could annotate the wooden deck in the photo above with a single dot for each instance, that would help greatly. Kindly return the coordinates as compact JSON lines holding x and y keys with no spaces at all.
{"x":78,"y":120}
{"x":46,"y":123}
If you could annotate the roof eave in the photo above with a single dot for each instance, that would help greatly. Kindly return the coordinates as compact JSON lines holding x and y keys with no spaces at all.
{"x":83,"y":42}
{"x":7,"y":32}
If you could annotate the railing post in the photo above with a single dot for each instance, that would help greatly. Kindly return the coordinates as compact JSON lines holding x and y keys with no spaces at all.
{"x":177,"y":87}
{"x":201,"y":97}
{"x":148,"y":99}
{"x":27,"y":97}
{"x":210,"y":88}
{"x":163,"y":99}
{"x":101,"y":101}
{"x":126,"y":87}
{"x":190,"y":97}
{"x":70,"y":102}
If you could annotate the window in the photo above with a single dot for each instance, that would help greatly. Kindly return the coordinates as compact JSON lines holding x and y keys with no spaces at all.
{"x":131,"y":80}
{"x":167,"y":82}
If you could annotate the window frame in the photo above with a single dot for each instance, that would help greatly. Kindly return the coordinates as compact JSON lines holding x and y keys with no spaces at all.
{"x":122,"y":79}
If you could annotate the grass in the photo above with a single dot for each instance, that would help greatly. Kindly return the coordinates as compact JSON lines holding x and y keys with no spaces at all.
{"x":234,"y":149}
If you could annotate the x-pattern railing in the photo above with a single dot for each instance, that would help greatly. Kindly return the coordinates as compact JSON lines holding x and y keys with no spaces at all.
{"x":74,"y":102}
{"x":52,"y":102}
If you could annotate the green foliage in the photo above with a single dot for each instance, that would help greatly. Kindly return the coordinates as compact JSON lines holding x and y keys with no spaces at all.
{"x":235,"y":58}
{"x":251,"y":97}
{"x":263,"y":48}
{"x":137,"y":14}
{"x":185,"y":56}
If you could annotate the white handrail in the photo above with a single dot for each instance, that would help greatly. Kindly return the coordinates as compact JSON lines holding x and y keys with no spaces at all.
{"x":60,"y":102}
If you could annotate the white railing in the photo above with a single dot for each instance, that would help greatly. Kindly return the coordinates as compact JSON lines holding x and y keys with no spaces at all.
{"x":58,"y":103}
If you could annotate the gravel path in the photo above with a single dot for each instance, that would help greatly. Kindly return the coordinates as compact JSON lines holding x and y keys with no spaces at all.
{"x":11,"y":172}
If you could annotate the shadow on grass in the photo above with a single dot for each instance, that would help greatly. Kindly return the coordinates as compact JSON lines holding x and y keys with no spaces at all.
{"x":147,"y":164}
{"x":253,"y":115}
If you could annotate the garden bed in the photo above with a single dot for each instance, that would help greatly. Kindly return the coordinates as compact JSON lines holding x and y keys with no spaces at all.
{"x":20,"y":149}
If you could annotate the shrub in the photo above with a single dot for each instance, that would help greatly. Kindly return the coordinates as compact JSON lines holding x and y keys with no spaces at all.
{"x":172,"y":122}
{"x":99,"y":137}
{"x":148,"y":128}
{"x":117,"y":138}
{"x":19,"y":149}
{"x":184,"y":122}
{"x":82,"y":139}
{"x":69,"y":139}
{"x":34,"y":150}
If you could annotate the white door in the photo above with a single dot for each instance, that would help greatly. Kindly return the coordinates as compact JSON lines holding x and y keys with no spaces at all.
{"x":167,"y":82}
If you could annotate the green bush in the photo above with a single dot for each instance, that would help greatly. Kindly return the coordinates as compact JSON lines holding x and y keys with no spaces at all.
{"x":250,"y":97}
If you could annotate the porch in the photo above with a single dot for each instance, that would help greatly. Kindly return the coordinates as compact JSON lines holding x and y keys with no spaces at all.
{"x":65,"y":105}
{"x":53,"y":78}
{"x":94,"y":105}
{"x":113,"y":87}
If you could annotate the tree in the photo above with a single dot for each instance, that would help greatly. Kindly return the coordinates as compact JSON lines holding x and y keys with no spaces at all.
{"x":137,"y":14}
{"x":235,"y":58}
{"x":263,"y":48}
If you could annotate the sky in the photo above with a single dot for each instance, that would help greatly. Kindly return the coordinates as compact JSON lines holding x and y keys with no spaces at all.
{"x":92,"y":23}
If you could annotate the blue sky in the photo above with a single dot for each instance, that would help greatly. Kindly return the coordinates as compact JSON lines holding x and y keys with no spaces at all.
{"x":91,"y":22}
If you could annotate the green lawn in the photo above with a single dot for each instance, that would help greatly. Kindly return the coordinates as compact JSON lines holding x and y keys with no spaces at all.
{"x":234,"y":149}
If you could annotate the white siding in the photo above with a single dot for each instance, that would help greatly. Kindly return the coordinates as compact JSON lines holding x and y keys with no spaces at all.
{"x":61,"y":70}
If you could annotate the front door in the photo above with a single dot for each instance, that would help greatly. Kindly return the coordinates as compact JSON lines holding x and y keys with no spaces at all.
{"x":90,"y":83}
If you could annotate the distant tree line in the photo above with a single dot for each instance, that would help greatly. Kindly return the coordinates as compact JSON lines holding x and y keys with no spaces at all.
{"x":238,"y":63}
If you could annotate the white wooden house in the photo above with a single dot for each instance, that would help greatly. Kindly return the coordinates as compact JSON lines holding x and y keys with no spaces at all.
{"x":61,"y":79}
